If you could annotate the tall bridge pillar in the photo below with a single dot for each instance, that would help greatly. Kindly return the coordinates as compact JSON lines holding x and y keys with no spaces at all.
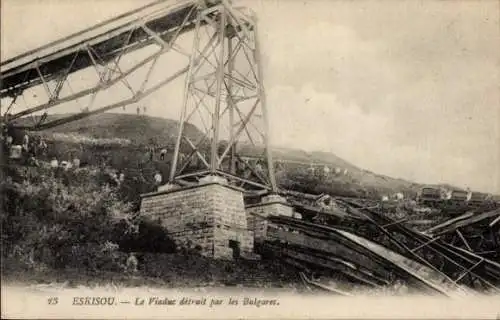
{"x":224,"y":87}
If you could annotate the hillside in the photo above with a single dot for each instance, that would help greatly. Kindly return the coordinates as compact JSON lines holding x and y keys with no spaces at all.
{"x":140,"y":130}
{"x":71,"y":227}
{"x":135,"y":133}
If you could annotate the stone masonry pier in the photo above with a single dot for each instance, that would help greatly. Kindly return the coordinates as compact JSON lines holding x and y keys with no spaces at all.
{"x":270,"y":205}
{"x":210,"y":216}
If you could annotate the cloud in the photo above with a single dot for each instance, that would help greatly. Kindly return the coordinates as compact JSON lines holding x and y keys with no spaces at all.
{"x":312,"y":120}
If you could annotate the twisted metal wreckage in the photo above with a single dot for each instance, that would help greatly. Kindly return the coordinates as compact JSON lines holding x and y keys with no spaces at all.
{"x":352,"y":238}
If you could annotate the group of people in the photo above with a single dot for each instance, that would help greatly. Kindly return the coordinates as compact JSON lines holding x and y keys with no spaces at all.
{"x":66,"y":165}
{"x":116,"y":177}
{"x":327,"y":170}
{"x":151,"y":151}
{"x":20,"y":145}
{"x":398,"y":196}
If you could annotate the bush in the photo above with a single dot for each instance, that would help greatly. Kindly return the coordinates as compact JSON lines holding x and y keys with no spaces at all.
{"x":150,"y":237}
{"x":72,"y":219}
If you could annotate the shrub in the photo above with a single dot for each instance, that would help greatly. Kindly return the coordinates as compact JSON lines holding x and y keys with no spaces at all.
{"x":69,"y":219}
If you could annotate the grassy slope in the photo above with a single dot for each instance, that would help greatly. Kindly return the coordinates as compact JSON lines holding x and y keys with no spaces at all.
{"x":138,"y":129}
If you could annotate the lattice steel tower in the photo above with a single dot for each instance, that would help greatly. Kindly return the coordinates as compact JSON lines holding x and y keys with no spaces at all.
{"x":225,"y":81}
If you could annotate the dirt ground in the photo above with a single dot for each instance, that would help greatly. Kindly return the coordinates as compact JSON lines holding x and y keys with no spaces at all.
{"x":167,"y":271}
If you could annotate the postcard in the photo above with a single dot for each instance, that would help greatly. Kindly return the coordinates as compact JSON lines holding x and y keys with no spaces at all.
{"x":257,"y":159}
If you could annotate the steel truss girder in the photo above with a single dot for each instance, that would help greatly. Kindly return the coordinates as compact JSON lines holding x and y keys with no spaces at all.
{"x":108,"y":78}
{"x":225,"y":96}
{"x":162,"y":16}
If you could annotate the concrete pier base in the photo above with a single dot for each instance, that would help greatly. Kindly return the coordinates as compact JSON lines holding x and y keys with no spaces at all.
{"x":270,"y":205}
{"x":210,"y":217}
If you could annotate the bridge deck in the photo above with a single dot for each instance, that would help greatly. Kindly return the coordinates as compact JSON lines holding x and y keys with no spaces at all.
{"x":108,"y":39}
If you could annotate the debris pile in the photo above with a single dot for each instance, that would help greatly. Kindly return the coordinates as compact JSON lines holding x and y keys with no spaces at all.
{"x":363,"y":247}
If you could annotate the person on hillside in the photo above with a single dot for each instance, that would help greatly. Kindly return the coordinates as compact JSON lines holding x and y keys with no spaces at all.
{"x":326,"y":170}
{"x":32,"y":161}
{"x":113,"y":178}
{"x":158,"y":178}
{"x":26,"y":141}
{"x":132,"y":262}
{"x":151,"y":153}
{"x":33,"y":147}
{"x":76,"y":162}
{"x":42,"y":146}
{"x":66,"y":165}
{"x":9,"y":141}
{"x":163,"y":154}
{"x":54,"y":163}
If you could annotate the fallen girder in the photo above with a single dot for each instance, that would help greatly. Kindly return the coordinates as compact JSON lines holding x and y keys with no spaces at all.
{"x":462,"y":265}
{"x":467,"y":220}
{"x":341,"y":251}
{"x":478,"y":233}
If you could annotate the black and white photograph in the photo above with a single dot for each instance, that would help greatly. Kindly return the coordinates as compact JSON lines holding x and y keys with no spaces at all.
{"x":228,"y":159}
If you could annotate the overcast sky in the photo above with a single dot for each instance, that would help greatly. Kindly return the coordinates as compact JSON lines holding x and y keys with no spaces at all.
{"x":404,"y":88}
